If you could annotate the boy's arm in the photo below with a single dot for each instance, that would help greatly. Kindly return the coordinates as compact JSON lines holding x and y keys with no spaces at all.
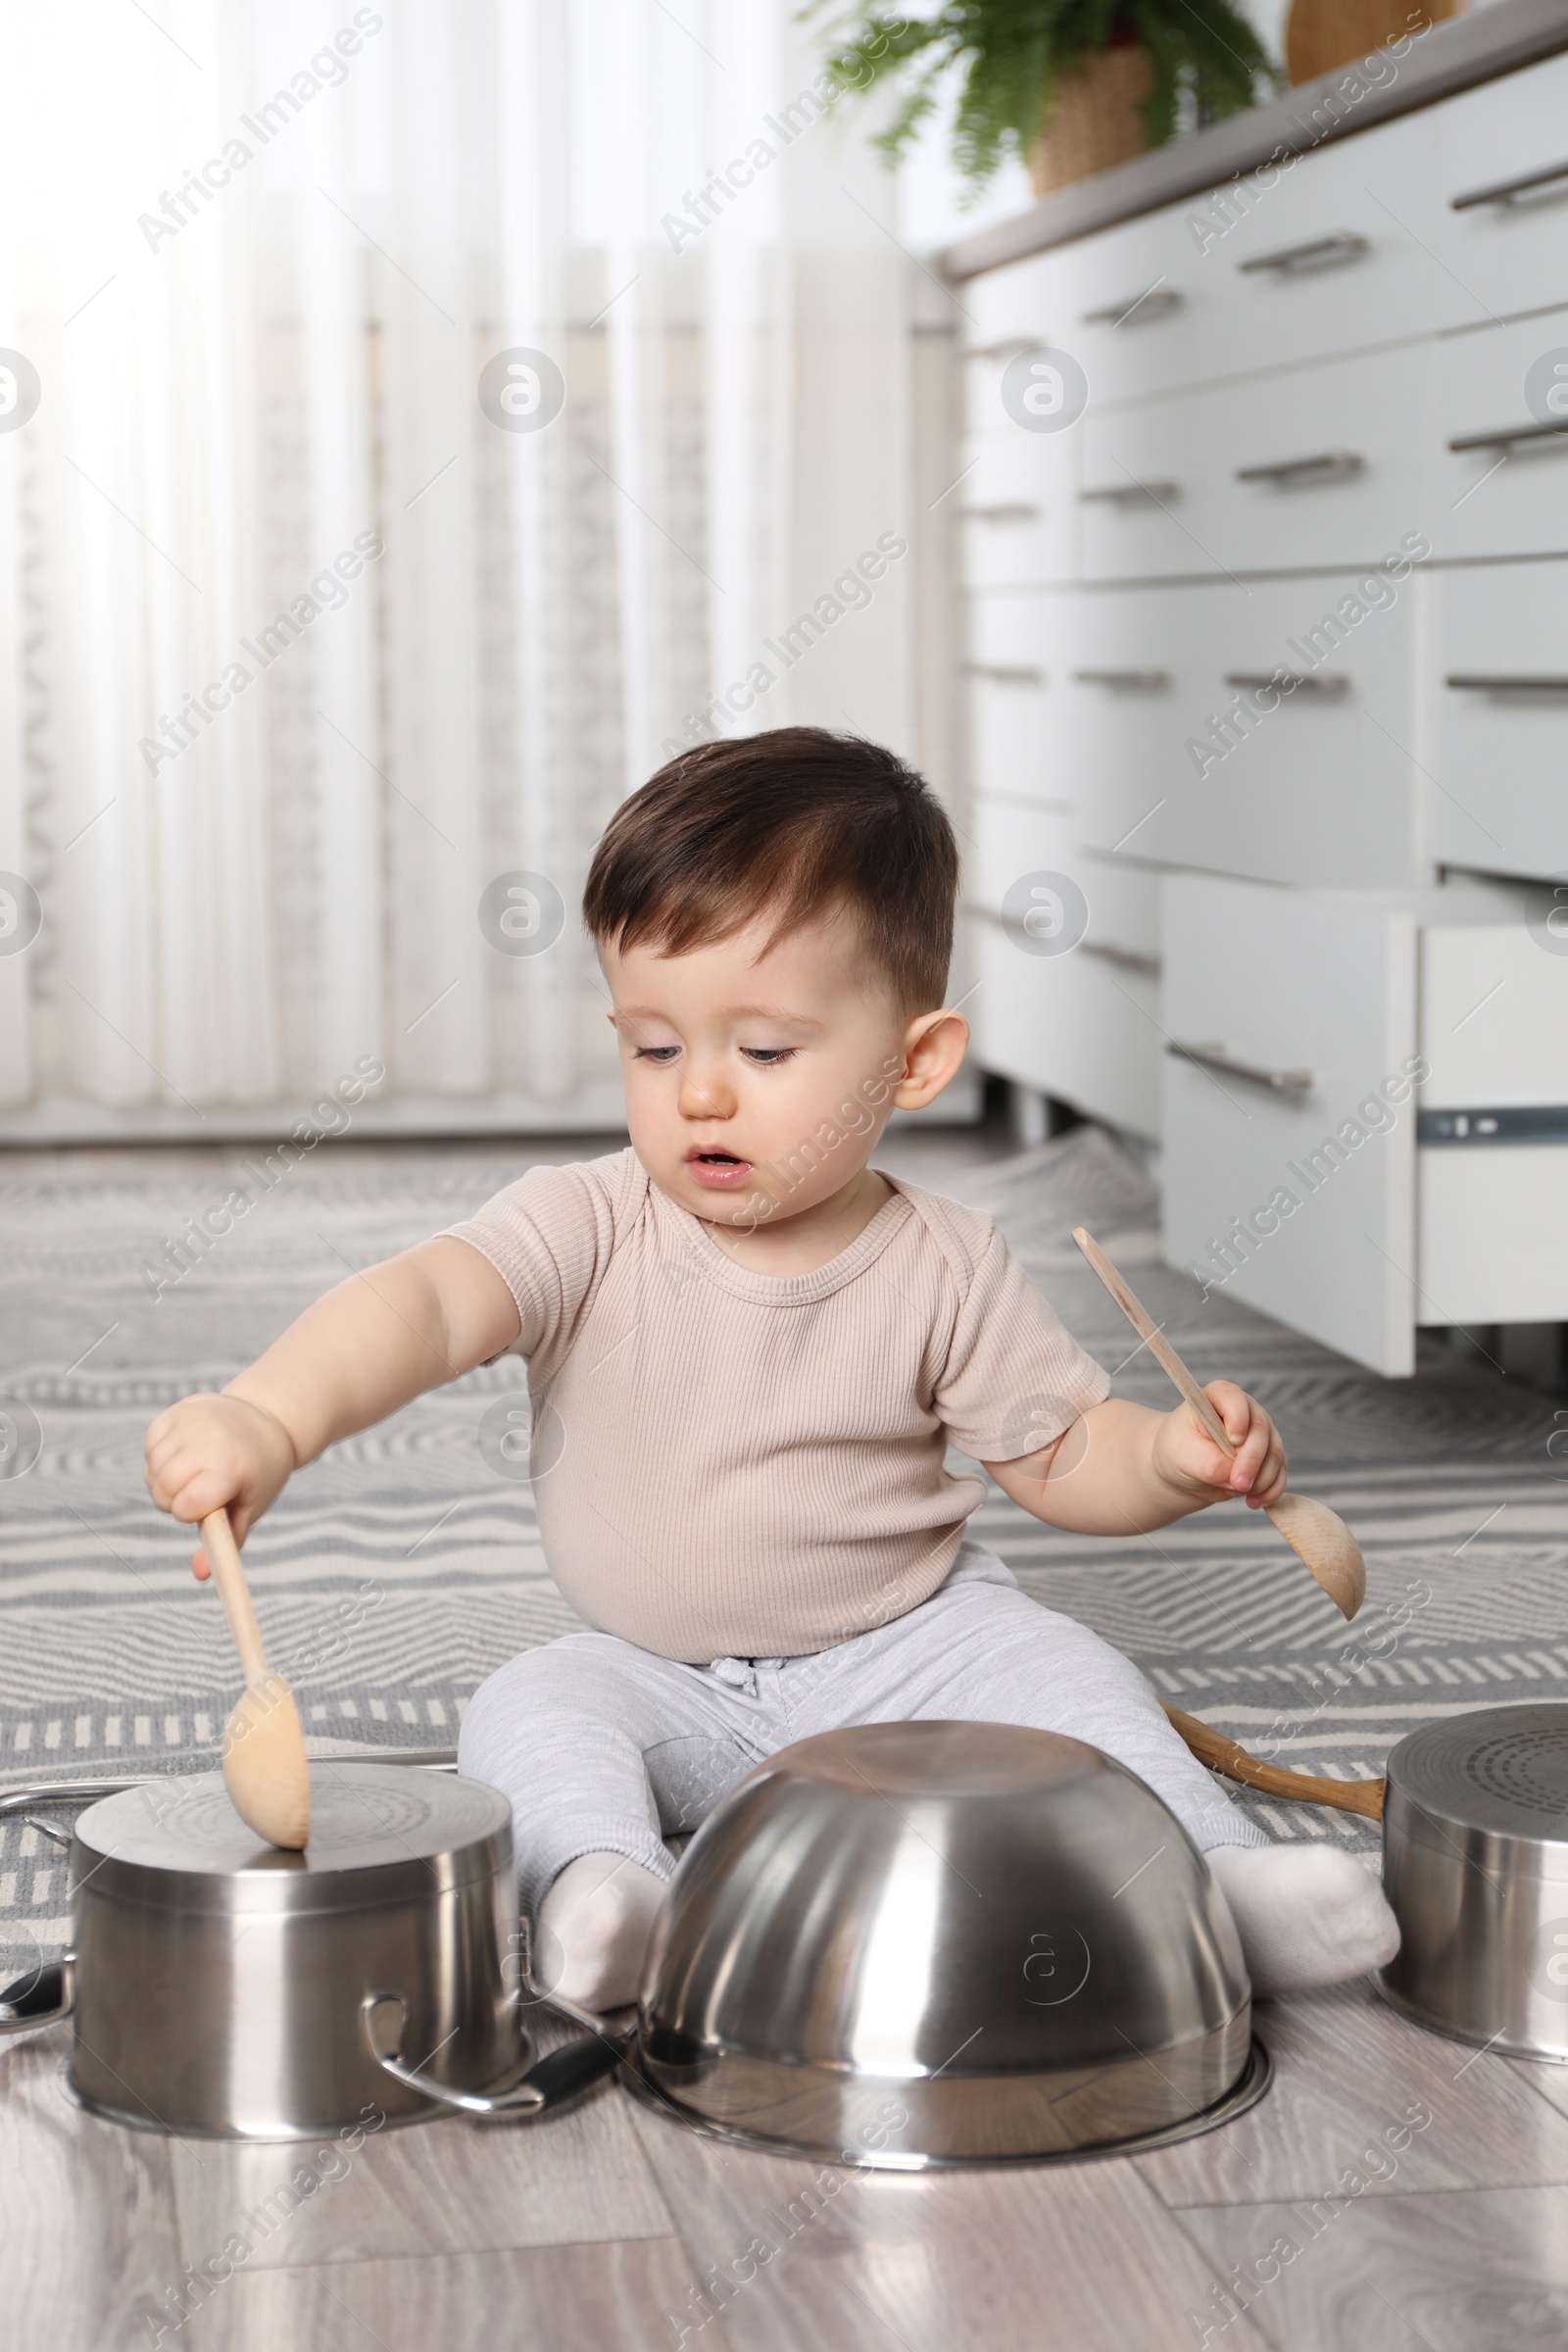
{"x":1121,"y":1469}
{"x":367,"y":1347}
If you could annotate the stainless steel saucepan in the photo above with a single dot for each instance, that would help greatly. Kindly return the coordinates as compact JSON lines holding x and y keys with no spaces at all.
{"x":910,"y":1943}
{"x":1475,"y":1864}
{"x":215,"y":1984}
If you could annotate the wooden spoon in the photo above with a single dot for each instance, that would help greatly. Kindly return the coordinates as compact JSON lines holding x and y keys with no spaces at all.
{"x":1224,"y":1755}
{"x":265,"y":1770}
{"x":1317,"y":1536}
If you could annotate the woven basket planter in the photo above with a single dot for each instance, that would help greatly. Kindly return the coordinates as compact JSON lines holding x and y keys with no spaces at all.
{"x":1096,"y":119}
{"x":1321,"y":34}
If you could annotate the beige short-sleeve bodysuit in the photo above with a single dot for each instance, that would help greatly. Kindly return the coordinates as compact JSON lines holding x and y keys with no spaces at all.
{"x":750,"y":1464}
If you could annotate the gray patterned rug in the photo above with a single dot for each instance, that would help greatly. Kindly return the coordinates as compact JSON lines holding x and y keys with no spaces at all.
{"x":394,"y":1574}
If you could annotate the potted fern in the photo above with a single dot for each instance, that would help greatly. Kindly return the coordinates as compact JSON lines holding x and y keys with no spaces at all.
{"x":1073,"y":87}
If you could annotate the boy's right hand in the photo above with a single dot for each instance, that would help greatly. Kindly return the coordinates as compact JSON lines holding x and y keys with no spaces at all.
{"x":211,"y":1451}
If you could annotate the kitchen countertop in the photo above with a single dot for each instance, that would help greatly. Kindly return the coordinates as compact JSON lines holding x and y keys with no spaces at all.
{"x":1451,"y":57}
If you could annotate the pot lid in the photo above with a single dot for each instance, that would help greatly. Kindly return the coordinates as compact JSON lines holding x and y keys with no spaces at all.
{"x":1500,"y":1769}
{"x":377,"y":1830}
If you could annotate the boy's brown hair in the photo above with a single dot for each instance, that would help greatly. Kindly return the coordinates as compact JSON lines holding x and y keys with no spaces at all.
{"x":798,"y":821}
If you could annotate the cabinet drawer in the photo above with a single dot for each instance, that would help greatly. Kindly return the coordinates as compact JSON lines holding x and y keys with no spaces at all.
{"x":1506,"y":253}
{"x":1492,"y":495}
{"x":1317,"y":467}
{"x":1481,"y":1215}
{"x":1176,"y":748}
{"x":1081,"y":1027}
{"x":1493,"y":1029}
{"x":1015,"y":507}
{"x":1006,"y":311}
{"x":1012,"y":680}
{"x":1293,"y":1169}
{"x":1499,"y":743}
{"x":1266,"y":1196}
{"x":1009,"y":839}
{"x":1012,"y":839}
{"x":1328,"y":253}
{"x":1493,"y":1019}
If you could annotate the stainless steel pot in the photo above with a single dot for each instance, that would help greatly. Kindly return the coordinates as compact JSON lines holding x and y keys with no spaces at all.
{"x":220,"y":1987}
{"x":939,"y":1943}
{"x":908,"y":1944}
{"x":1475,"y":1864}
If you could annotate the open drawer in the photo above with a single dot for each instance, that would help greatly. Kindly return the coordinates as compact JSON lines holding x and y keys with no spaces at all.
{"x":1313,"y":1038}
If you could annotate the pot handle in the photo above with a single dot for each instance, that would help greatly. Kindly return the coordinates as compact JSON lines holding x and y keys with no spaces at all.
{"x":40,"y":1999}
{"x":549,"y":2083}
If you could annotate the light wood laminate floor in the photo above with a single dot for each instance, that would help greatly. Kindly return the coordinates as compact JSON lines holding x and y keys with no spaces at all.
{"x":1423,"y":2189}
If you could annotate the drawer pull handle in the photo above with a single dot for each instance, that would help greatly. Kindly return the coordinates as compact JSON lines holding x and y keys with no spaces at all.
{"x":1005,"y":673}
{"x":1155,"y":302}
{"x":1478,"y":682}
{"x":1330,"y":684}
{"x":1503,"y":191}
{"x":1215,"y":1057}
{"x":1131,"y":960}
{"x":1327,"y":465}
{"x":1014,"y":511}
{"x":1012,"y":347}
{"x":1342,"y":246}
{"x":1507,"y":434}
{"x":1130,"y":494}
{"x":1138,"y":681}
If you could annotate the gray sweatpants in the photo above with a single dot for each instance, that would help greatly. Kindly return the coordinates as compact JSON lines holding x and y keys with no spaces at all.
{"x":602,"y":1747}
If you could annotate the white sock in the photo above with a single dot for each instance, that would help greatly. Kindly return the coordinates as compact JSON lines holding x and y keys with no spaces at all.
{"x":593,"y":1926}
{"x":1306,"y":1915}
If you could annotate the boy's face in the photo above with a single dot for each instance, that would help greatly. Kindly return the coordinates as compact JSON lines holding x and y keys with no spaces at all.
{"x":759,"y":1078}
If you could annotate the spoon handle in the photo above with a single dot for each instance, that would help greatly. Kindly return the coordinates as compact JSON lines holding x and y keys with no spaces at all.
{"x":223,"y":1553}
{"x":1159,"y":1347}
{"x":1224,"y":1755}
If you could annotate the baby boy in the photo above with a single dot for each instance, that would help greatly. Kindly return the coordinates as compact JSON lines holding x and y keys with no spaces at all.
{"x":747,"y":1354}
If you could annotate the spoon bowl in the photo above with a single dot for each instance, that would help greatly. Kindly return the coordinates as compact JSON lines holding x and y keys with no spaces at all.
{"x":1318,"y":1536}
{"x":265,"y":1767}
{"x":1322,"y":1542}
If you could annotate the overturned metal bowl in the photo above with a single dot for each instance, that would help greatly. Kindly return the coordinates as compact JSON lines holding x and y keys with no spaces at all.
{"x":937,"y":1943}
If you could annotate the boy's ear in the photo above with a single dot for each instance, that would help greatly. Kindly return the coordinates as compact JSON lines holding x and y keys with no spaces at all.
{"x":934,"y":1047}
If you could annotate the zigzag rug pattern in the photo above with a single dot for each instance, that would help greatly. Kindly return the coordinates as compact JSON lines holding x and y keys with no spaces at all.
{"x":399,"y":1571}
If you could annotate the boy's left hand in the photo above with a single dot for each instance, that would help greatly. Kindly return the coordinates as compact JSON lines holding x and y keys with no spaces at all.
{"x":1188,"y":1458}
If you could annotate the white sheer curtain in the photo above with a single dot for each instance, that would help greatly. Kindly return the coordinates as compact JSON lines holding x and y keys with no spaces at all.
{"x":259,"y":256}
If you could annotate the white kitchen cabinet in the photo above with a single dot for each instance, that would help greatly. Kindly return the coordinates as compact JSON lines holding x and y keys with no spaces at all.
{"x":1481,"y":1214}
{"x":1015,"y":505}
{"x":1499,"y":472}
{"x":1195,"y":673}
{"x":1175,"y":744}
{"x":1014,"y":674}
{"x":1493,"y":1007}
{"x":1324,"y":1020}
{"x":1335,"y":255}
{"x":1084,"y":1026}
{"x":1489,"y":1223}
{"x":1316,"y":466}
{"x":1296,"y":1176}
{"x":1501,"y":159}
{"x":1498,"y":697}
{"x":1331,"y":253}
{"x":1007,"y":840}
